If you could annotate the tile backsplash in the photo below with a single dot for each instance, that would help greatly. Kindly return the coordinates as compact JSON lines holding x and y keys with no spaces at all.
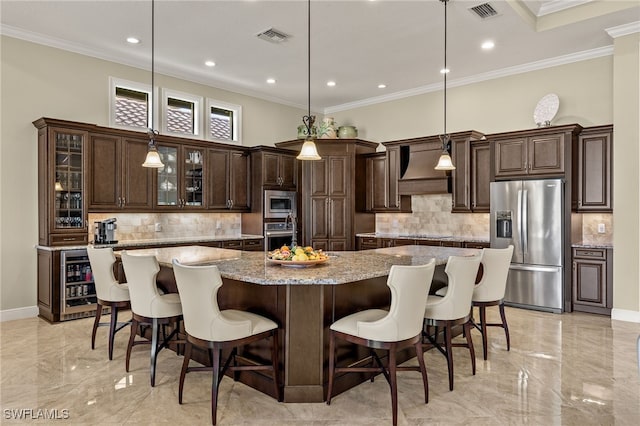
{"x":432,"y":216}
{"x":141,"y":226}
{"x":590,"y":222}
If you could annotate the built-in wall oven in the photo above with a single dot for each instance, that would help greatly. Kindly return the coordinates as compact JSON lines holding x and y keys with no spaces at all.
{"x":277,"y":234}
{"x":278,"y":204}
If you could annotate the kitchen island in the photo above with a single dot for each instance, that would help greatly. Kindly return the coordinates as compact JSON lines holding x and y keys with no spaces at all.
{"x":304,"y":302}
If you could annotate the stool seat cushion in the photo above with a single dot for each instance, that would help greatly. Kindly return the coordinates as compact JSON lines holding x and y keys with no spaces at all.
{"x":442,"y":291}
{"x":118,"y":292}
{"x":354,"y":325}
{"x":165,"y":305}
{"x":232,"y":324}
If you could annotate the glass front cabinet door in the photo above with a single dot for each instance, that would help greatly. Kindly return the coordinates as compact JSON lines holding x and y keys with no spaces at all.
{"x":61,"y":190}
{"x":180,"y":181}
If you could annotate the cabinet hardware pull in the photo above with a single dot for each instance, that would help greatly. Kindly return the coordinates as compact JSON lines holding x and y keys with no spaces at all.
{"x":124,"y":201}
{"x":68,"y":239}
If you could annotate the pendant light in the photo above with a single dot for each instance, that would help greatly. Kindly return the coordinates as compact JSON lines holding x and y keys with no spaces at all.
{"x":153,"y":157}
{"x":445,"y":162}
{"x":309,"y":150}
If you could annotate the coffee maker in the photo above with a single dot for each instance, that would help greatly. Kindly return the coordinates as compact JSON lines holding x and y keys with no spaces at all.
{"x":104,"y":231}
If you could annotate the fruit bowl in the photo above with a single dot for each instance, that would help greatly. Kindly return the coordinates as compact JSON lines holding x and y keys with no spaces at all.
{"x":299,"y":257}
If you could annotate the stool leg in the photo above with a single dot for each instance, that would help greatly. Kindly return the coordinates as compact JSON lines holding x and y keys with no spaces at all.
{"x":472,"y":352}
{"x":112,"y":329}
{"x":95,"y":326}
{"x":215,"y":383}
{"x":505,"y":326}
{"x":423,"y":370}
{"x":483,"y":331}
{"x":394,"y":385}
{"x":154,"y":349}
{"x":183,"y":372}
{"x":447,"y":342}
{"x":332,"y":355}
{"x":134,"y":330}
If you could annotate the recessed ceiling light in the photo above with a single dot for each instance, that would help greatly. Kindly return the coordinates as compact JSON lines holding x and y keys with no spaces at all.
{"x":210,"y":63}
{"x":133,"y":40}
{"x":382,"y":86}
{"x":331,"y":83}
{"x":488,"y":45}
{"x":271,"y":81}
{"x":444,"y":71}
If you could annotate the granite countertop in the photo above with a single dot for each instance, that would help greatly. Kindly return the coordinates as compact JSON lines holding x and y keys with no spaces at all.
{"x":342,"y":267}
{"x":424,"y":237}
{"x":158,"y":241}
{"x":589,"y":245}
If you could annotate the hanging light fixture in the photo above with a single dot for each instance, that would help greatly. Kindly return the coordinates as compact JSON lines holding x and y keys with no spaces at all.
{"x":444,"y":162}
{"x":153,"y":157}
{"x":309,"y":150}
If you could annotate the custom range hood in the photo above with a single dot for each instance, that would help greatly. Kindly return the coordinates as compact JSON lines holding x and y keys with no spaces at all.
{"x":419,"y":156}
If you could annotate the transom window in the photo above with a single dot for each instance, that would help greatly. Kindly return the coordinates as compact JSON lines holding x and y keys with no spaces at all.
{"x":181,"y":113}
{"x":224,"y":121}
{"x":130,"y":104}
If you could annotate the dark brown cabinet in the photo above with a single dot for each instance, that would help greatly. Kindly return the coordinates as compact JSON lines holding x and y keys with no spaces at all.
{"x":228,"y":180}
{"x":470,"y":179}
{"x":279,"y":170}
{"x":366,"y":243}
{"x":538,"y":152}
{"x":592,"y":280}
{"x":62,"y":179}
{"x":382,"y":174}
{"x":117,"y":179}
{"x":592,"y":183}
{"x":181,"y":183}
{"x":332,"y":193}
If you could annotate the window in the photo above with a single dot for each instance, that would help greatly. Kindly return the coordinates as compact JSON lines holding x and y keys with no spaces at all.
{"x":224,"y":122}
{"x":129,"y":104}
{"x":181,"y":113}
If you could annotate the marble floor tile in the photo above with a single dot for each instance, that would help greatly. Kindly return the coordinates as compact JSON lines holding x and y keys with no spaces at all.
{"x":569,"y":369}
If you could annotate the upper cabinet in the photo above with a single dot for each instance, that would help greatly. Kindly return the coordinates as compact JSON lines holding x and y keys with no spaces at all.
{"x":62,"y":149}
{"x":592,"y":181}
{"x":382,"y":173}
{"x":470,"y":179}
{"x":180,"y":183}
{"x":117,"y":179}
{"x":279,"y":170}
{"x":542,"y":152}
{"x":480,"y":176}
{"x":228,"y":177}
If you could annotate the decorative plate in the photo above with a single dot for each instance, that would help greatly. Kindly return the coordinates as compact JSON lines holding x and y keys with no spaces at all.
{"x":296,"y":263}
{"x":546,"y":109}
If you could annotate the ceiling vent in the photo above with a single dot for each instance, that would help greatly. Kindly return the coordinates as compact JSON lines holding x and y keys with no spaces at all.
{"x":273,"y":35}
{"x":484,"y":11}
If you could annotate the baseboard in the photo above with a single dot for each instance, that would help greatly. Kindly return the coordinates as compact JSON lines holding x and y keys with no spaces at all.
{"x":625,"y":315}
{"x":18,"y":313}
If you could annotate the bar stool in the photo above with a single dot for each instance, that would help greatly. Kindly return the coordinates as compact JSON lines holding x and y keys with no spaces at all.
{"x":453,"y":309}
{"x":214,"y":330}
{"x":490,"y":291}
{"x":149,"y":307}
{"x":391,"y":330}
{"x":109,"y":293}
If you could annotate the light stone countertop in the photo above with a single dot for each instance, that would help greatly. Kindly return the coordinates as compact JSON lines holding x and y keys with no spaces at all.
{"x":342,"y":267}
{"x":589,"y":245}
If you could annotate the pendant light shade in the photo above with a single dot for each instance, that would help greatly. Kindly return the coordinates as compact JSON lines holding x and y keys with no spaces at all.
{"x":445,"y":162}
{"x":309,"y":150}
{"x":58,"y":186}
{"x":153,"y":157}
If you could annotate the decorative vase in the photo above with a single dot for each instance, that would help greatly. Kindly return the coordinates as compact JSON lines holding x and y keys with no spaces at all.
{"x":327,"y":129}
{"x":347,"y":132}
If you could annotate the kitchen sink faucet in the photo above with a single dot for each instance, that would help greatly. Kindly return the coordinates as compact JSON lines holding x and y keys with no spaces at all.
{"x":291,"y":218}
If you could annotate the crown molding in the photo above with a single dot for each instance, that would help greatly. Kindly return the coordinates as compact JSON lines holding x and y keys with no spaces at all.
{"x":623,"y":30}
{"x":519,"y":69}
{"x":559,"y":5}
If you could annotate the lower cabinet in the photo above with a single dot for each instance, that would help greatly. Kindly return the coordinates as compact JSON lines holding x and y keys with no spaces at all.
{"x":367,"y":243}
{"x":592,"y":280}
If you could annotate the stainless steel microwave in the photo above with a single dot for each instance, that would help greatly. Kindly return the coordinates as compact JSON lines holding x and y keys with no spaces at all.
{"x":278,"y":204}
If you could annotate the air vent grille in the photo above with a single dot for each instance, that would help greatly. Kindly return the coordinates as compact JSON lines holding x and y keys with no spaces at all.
{"x":484,"y":11}
{"x":273,"y":35}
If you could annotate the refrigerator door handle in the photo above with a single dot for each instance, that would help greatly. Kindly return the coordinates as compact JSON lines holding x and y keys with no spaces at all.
{"x":525,"y":221}
{"x":534,"y":268}
{"x":519,"y":219}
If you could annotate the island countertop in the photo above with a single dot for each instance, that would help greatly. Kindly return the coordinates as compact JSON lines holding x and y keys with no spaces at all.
{"x":341,"y":268}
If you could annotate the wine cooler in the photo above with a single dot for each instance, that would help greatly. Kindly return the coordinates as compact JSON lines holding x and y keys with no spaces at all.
{"x":78,"y":291}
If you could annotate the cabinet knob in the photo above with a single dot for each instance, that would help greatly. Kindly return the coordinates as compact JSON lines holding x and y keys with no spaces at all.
{"x":124,"y":201}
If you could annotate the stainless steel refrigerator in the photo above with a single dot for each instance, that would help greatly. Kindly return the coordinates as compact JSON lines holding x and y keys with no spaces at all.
{"x":529,"y":214}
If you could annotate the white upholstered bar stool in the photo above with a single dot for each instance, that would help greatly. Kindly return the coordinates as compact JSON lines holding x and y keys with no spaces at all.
{"x":453,"y":309}
{"x":490,"y":291}
{"x":109,"y":292}
{"x":392,"y":330}
{"x":149,"y":307}
{"x":214,"y":330}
